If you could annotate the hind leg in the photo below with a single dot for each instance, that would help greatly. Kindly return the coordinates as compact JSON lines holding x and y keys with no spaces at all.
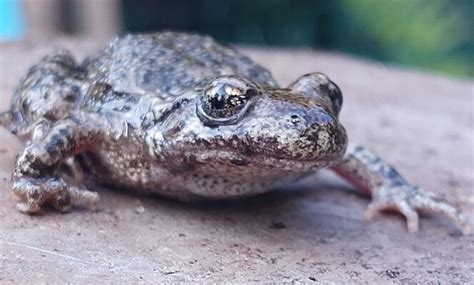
{"x":389,"y":190}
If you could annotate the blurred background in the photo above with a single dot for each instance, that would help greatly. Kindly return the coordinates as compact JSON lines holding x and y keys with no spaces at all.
{"x":434,"y":35}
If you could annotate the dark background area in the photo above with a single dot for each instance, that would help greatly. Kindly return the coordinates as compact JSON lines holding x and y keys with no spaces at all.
{"x":433,"y":35}
{"x":430,"y":34}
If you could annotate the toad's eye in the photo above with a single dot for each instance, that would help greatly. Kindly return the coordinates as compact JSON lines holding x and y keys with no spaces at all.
{"x":224,"y":103}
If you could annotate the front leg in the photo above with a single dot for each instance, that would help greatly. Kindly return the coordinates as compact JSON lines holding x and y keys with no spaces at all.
{"x":389,"y":190}
{"x":36,"y":178}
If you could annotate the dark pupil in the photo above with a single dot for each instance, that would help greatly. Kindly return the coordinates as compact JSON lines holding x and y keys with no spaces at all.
{"x":218,"y":100}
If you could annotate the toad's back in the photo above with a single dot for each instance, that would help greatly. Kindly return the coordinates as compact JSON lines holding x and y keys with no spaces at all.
{"x":169,"y":63}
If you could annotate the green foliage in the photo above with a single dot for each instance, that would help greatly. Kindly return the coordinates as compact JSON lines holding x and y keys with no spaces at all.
{"x":433,"y":34}
{"x":430,"y":34}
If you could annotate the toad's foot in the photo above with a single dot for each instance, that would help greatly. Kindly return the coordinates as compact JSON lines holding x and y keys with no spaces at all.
{"x":407,"y":199}
{"x":37,"y":179}
{"x":35,"y":192}
{"x":389,"y":190}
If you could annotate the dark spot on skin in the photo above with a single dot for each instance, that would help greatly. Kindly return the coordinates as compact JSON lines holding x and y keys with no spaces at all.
{"x":295,"y":119}
{"x":192,"y":158}
{"x":147,"y":77}
{"x":66,"y":133}
{"x":57,"y":144}
{"x":278,"y":226}
{"x":240,"y":161}
{"x":75,"y":89}
{"x":133,"y":163}
{"x":394,"y":177}
{"x":392,"y":273}
{"x":50,"y":116}
{"x":39,"y":166}
{"x":34,"y":195}
{"x":66,"y":169}
{"x":64,"y":202}
{"x":70,"y":97}
{"x":99,"y":91}
{"x":170,"y":272}
{"x":311,"y":133}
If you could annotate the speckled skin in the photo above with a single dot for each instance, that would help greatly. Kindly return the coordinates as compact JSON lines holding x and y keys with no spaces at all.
{"x":182,"y":116}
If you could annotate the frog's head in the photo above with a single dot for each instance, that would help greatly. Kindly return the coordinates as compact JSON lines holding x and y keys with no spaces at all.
{"x":235,"y":123}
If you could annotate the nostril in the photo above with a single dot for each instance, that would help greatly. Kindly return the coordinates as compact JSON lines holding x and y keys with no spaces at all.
{"x":295,"y":119}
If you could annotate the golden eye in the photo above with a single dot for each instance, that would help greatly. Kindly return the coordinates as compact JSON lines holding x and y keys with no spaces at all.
{"x":223,"y":101}
{"x":226,"y":100}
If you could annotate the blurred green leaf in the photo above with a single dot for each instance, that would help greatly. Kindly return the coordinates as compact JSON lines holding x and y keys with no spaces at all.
{"x":430,"y":34}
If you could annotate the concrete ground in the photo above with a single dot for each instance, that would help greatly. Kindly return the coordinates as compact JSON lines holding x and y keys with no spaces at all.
{"x":422,"y":123}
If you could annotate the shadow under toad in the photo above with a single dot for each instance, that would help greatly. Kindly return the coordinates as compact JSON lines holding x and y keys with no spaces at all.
{"x":320,"y":206}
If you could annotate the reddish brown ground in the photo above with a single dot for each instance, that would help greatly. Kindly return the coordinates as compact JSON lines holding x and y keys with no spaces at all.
{"x":421,"y":123}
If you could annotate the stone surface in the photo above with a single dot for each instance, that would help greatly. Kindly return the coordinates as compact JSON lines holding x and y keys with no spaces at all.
{"x":422,"y":123}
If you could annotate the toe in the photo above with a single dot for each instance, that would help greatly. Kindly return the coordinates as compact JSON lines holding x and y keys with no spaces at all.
{"x":438,"y":205}
{"x":28,"y":208}
{"x":410,"y":214}
{"x":83,"y":197}
{"x":401,"y":206}
{"x":63,"y":204}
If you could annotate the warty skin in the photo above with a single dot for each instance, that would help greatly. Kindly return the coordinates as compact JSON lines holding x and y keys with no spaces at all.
{"x":182,"y":116}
